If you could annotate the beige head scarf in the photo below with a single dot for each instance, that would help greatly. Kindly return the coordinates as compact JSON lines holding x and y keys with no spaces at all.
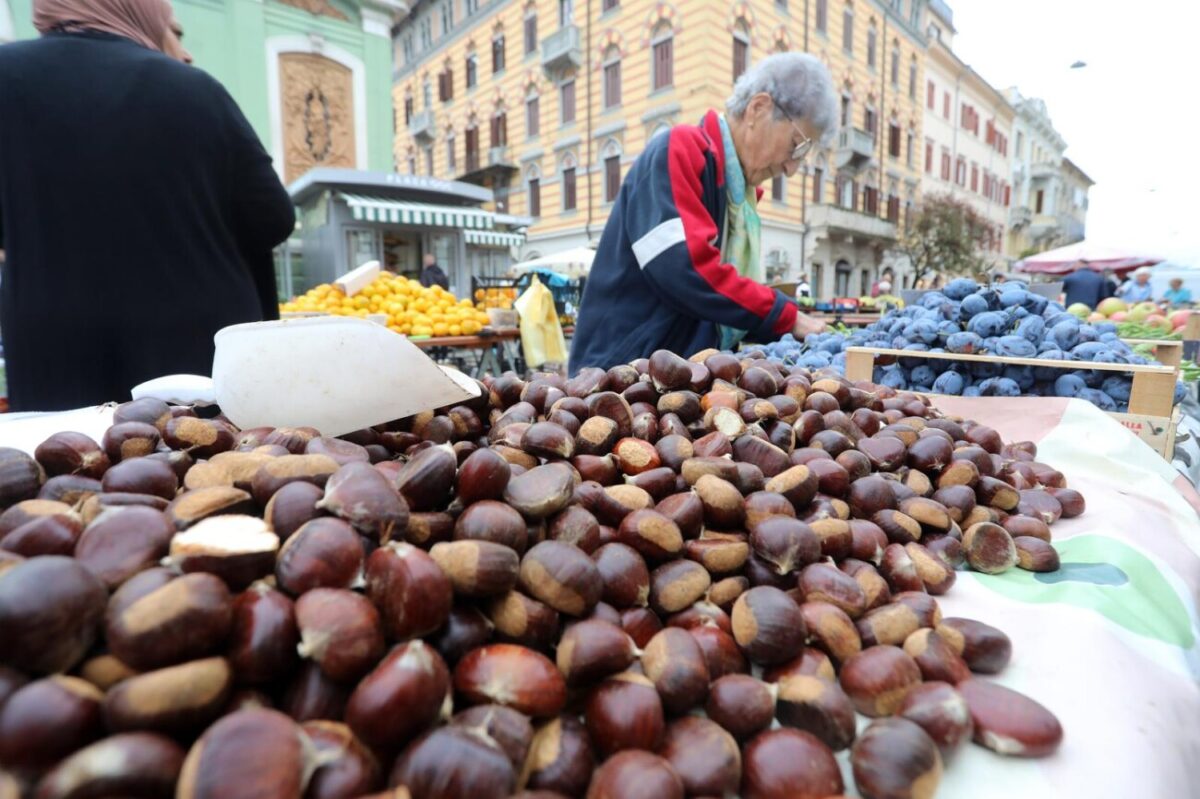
{"x":146,"y":22}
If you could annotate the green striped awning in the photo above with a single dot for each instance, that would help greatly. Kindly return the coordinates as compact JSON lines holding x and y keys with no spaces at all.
{"x":375,"y":209}
{"x":494,"y":238}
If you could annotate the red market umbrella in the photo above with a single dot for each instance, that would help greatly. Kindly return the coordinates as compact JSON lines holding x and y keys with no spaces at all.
{"x":1065,"y":260}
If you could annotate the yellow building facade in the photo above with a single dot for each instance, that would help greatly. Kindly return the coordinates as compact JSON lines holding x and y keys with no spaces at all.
{"x":548,"y":103}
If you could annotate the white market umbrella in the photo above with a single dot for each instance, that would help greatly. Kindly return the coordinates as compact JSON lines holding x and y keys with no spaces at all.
{"x":572,"y":263}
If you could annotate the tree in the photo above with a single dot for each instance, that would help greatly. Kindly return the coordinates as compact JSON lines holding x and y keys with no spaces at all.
{"x":947,"y":236}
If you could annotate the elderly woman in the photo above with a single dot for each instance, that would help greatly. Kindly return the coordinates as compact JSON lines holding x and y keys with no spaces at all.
{"x":678,"y":266}
{"x":138,"y":209}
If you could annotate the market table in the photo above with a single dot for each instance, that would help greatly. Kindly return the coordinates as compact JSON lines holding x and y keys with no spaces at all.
{"x":1108,"y":643}
{"x":498,"y":350}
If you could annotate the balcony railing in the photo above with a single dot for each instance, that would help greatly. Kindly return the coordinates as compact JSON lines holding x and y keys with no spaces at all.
{"x":855,"y":148}
{"x":843,"y":220}
{"x":561,"y":49}
{"x":422,"y":125}
{"x":499,"y":156}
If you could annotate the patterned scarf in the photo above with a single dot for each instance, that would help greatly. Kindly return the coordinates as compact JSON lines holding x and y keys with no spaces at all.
{"x":743,"y":229}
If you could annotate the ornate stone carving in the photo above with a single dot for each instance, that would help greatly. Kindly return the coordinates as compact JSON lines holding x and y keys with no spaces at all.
{"x":318,"y":113}
{"x":319,"y":7}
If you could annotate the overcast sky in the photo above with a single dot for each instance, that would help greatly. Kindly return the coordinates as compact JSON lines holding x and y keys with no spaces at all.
{"x":1131,"y":117}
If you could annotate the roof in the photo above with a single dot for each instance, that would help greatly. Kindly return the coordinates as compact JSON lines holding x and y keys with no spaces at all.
{"x":1074,"y":167}
{"x":388,"y":185}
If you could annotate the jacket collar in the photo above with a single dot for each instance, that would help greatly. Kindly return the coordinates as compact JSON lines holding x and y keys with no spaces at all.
{"x":711,"y":125}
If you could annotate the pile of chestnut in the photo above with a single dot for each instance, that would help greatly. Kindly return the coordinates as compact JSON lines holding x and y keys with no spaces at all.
{"x":675,"y":578}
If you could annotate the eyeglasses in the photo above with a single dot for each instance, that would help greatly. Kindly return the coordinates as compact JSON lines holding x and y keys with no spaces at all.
{"x":801,"y":150}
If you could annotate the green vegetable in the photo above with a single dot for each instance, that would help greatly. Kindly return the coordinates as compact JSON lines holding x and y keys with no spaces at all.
{"x":1139,"y":330}
{"x":1189,"y":371}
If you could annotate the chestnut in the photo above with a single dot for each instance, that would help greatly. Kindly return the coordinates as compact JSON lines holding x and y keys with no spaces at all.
{"x":483,"y":475}
{"x":129,"y":764}
{"x":768,"y":625}
{"x":323,"y":553}
{"x":128,"y":440}
{"x":895,"y":757}
{"x":878,"y":678}
{"x":340,"y":631}
{"x":176,"y":700}
{"x":831,"y":630}
{"x":542,"y":491}
{"x":400,"y":697}
{"x":985,"y":649}
{"x":48,"y":719}
{"x":141,"y":476}
{"x":263,"y":636}
{"x":238,"y":549}
{"x":675,"y":664}
{"x":562,"y":576}
{"x":989,"y":548}
{"x":513,"y":676}
{"x":724,"y":506}
{"x":823,"y":582}
{"x":705,"y":756}
{"x":677,"y":585}
{"x":202,"y":438}
{"x":592,"y":650}
{"x":636,"y":775}
{"x":1008,"y":722}
{"x":560,"y":758}
{"x":624,"y":712}
{"x":311,"y":695}
{"x":72,"y":453}
{"x":477,"y":569}
{"x":1036,"y":555}
{"x":360,"y":495}
{"x":940,"y":710}
{"x":642,"y":624}
{"x":348,"y":768}
{"x":518,"y":619}
{"x":786,"y":544}
{"x":652,"y":534}
{"x":426,"y":480}
{"x":489,"y":520}
{"x":548,"y":440}
{"x":817,"y":706}
{"x":273,"y":474}
{"x":625,"y":577}
{"x":786,"y":763}
{"x":255,"y":752}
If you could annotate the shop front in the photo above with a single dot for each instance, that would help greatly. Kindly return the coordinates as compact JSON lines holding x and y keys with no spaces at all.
{"x":349,"y":217}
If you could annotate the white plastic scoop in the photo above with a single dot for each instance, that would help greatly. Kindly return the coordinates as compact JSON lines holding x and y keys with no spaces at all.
{"x":336,"y":374}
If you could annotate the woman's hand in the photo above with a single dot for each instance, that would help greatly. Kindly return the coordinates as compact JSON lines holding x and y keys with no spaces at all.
{"x":805,"y":324}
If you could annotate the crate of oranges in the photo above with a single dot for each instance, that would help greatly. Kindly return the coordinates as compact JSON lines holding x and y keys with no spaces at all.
{"x":411,"y":309}
{"x":495,"y":297}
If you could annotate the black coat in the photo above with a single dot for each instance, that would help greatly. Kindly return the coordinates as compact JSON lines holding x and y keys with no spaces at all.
{"x":434,"y":275}
{"x":138,"y":210}
{"x":1086,"y":286}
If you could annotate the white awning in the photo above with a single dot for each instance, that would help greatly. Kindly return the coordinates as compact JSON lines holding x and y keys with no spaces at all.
{"x":374,"y":209}
{"x":493,"y":238}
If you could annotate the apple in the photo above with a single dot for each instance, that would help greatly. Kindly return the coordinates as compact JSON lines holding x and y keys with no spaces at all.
{"x":1179,"y":318}
{"x":1159,"y":321}
{"x":1141,"y":311}
{"x":1080,"y":310}
{"x":1119,"y":316}
{"x":1096,"y":316}
{"x":1111,"y":306}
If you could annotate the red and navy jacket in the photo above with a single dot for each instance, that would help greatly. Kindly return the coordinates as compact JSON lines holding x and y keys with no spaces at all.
{"x":657,"y":281}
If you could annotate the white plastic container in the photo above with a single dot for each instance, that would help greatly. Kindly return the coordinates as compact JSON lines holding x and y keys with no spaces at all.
{"x":336,"y":374}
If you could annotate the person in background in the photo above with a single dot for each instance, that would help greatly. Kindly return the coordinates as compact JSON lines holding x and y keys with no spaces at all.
{"x":432,"y":274}
{"x":138,"y":208}
{"x":1084,"y":285}
{"x":1177,"y":296}
{"x":803,"y":288}
{"x":679,"y":265}
{"x":885,"y":287}
{"x":1138,"y":288}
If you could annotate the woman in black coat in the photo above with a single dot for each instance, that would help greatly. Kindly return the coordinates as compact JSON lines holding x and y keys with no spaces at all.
{"x":138,"y":209}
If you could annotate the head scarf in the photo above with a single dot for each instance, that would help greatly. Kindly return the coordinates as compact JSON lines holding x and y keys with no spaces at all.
{"x":144,"y":21}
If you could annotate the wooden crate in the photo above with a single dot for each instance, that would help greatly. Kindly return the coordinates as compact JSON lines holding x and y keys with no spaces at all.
{"x":1168,"y":353}
{"x":1151,"y":416}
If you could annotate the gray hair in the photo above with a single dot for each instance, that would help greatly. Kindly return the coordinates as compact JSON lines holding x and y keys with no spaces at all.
{"x":798,"y":83}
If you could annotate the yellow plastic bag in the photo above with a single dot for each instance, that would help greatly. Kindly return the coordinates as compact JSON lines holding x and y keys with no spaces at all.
{"x":541,"y":334}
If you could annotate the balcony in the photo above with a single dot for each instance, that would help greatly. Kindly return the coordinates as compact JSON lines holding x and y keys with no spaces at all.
{"x":855,"y":148}
{"x":496,"y":169}
{"x":1043,"y":170}
{"x":561,"y":49}
{"x":843,"y":221}
{"x":1020,"y":216}
{"x":421,"y":126}
{"x":1045,"y":227}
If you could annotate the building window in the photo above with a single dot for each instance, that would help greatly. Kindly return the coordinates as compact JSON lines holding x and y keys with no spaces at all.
{"x":871,"y":200}
{"x":472,"y":148}
{"x":871,"y":45}
{"x":531,"y":39}
{"x":893,"y":209}
{"x":845,"y":110}
{"x":777,"y":188}
{"x":896,"y":63}
{"x":568,"y":177}
{"x":741,"y":51}
{"x":960,"y":171}
{"x":818,"y":195}
{"x":894,"y":139}
{"x":612,"y":177}
{"x":663,"y":58}
{"x":498,"y":54}
{"x":429,"y":160}
{"x":869,"y":121}
{"x":566,"y":101}
{"x":912,"y":79}
{"x":1007,"y":195}
{"x":535,"y":197}
{"x":930,"y":95}
{"x":471,"y":6}
{"x":945,"y":164}
{"x":533,"y":117}
{"x":499,"y":137}
{"x":408,"y":110}
{"x":608,"y":5}
{"x":566,"y":12}
{"x":822,"y":16}
{"x":412,"y":164}
{"x":451,"y":155}
{"x":472,"y":69}
{"x":426,"y":33}
{"x":612,"y":78}
{"x":427,"y":93}
{"x":908,"y":149}
{"x":975,"y":177}
{"x":447,"y":17}
{"x":946,"y":104}
{"x":409,"y":52}
{"x":446,"y":85}
{"x":929,"y":157}
{"x":848,"y":29}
